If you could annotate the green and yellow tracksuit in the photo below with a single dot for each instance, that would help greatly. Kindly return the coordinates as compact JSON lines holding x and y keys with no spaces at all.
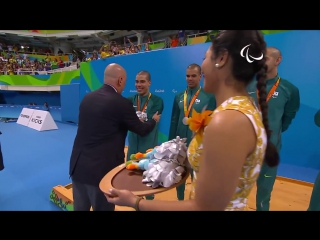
{"x":177,"y":128}
{"x":283,"y":105}
{"x":314,"y":204}
{"x":136,"y":142}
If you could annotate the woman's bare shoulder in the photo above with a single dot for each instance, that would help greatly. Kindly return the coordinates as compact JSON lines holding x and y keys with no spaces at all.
{"x":229,"y":118}
{"x":231,"y":126}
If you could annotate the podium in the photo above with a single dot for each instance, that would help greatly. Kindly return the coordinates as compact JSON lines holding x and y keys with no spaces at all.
{"x":62,"y":197}
{"x":37,"y":119}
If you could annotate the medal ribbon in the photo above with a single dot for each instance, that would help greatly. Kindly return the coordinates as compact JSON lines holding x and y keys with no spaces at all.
{"x":145,"y":105}
{"x":272,"y":90}
{"x":187,"y":111}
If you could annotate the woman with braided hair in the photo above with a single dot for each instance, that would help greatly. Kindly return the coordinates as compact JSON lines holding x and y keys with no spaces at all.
{"x":236,"y":136}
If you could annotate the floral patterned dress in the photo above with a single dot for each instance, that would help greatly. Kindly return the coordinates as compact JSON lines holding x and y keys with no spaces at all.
{"x":251,"y":168}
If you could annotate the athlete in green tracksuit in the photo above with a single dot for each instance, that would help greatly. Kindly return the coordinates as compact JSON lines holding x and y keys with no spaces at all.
{"x":284,"y":102}
{"x":150,"y":104}
{"x":314,"y":204}
{"x":195,"y":98}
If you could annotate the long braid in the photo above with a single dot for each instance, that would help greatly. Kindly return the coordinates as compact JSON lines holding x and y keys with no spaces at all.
{"x":233,"y":41}
{"x":272,"y":158}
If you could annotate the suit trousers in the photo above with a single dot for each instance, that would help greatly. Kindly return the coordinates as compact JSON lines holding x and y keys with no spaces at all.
{"x":86,"y":196}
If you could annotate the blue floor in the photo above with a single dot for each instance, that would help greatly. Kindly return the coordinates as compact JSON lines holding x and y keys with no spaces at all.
{"x":35,"y":162}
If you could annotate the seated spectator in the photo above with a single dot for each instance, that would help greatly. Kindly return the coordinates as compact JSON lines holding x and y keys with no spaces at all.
{"x":137,"y":49}
{"x":127,"y":50}
{"x":174,"y":41}
{"x":132,"y":49}
{"x":47,"y":57}
{"x":104,"y":51}
{"x":10,"y":70}
{"x":94,"y":56}
{"x":115,"y":50}
{"x":60,"y":63}
{"x":182,"y":37}
{"x":147,"y":47}
{"x":54,"y":64}
{"x":104,"y":48}
{"x":48,"y":65}
{"x":121,"y":51}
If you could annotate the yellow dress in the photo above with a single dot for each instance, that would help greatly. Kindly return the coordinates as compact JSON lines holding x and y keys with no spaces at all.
{"x":251,"y":168}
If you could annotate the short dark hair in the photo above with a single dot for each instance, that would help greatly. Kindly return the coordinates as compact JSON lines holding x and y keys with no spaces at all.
{"x":233,"y":41}
{"x":143,"y":72}
{"x":194,"y":65}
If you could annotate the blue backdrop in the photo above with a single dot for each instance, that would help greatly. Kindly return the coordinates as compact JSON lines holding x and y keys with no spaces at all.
{"x":300,"y":65}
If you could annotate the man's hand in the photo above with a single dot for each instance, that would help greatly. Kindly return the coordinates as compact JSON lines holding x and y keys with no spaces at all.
{"x":156,"y":117}
{"x":141,"y":120}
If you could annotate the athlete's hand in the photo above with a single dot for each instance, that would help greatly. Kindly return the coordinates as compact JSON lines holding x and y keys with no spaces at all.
{"x":156,"y":117}
{"x":121,"y":197}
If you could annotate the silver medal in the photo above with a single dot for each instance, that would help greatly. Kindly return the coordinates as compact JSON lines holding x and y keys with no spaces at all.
{"x":184,"y":121}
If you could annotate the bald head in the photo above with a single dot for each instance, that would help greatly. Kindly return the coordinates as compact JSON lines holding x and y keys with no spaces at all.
{"x":273,"y":52}
{"x":116,"y":76}
{"x":273,"y":59}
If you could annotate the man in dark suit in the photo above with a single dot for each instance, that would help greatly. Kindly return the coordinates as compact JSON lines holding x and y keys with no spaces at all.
{"x":105,"y":117}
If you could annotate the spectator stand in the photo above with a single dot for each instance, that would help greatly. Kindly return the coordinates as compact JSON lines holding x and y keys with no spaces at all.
{"x":48,"y":63}
{"x":17,"y":63}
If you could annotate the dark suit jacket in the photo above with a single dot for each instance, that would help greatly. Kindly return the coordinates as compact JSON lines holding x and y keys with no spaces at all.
{"x":105,"y":117}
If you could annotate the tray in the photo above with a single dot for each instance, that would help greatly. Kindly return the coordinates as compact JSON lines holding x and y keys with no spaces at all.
{"x":122,"y":178}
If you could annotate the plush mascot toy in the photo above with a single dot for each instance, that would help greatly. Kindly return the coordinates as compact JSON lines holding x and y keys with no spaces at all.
{"x":141,"y":161}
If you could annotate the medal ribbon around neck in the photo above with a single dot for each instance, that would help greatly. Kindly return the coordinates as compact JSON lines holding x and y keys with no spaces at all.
{"x":187,"y":110}
{"x":271,"y":92}
{"x":145,"y":105}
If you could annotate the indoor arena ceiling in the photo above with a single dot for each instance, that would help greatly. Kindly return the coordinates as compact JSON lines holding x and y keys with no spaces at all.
{"x":77,"y":38}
